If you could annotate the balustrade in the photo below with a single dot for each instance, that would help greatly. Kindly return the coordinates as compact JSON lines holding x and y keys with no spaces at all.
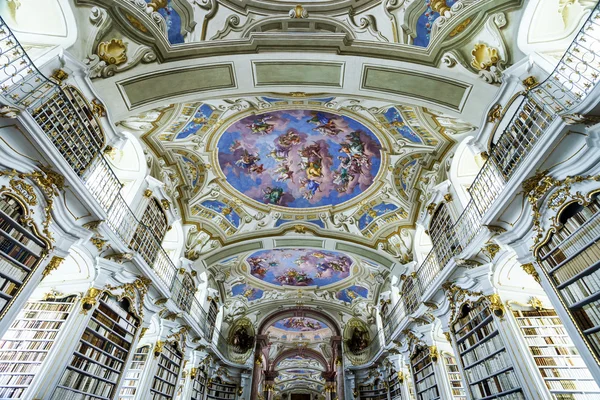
{"x":64,"y":117}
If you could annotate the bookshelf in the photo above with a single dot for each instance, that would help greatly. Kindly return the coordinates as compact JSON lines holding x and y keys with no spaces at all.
{"x":28,"y":341}
{"x":376,"y":391}
{"x":570,"y":258}
{"x":395,"y":387}
{"x":21,"y":250}
{"x":221,"y":391}
{"x":165,"y":380}
{"x":99,"y":359}
{"x":134,"y":373}
{"x":423,"y":374}
{"x":558,"y":361}
{"x":454,"y":378}
{"x":488,"y":368}
{"x":198,"y":385}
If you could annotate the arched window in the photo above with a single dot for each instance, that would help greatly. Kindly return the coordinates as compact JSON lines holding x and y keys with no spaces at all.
{"x":443,"y":237}
{"x":150,"y":232}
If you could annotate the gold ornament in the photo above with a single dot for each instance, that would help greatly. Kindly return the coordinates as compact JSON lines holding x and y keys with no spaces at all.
{"x":484,"y":57}
{"x":52,"y":265}
{"x":113,"y":52}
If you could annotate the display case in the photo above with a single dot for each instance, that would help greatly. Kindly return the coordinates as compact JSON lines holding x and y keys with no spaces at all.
{"x":421,"y":364}
{"x":22,"y":249}
{"x":167,"y":375}
{"x":488,"y":367}
{"x":558,"y":361}
{"x":28,"y":341}
{"x":134,"y":373}
{"x":100,"y":357}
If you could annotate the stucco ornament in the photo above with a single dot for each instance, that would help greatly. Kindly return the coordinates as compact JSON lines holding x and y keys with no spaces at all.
{"x":113,"y":52}
{"x":484,"y":57}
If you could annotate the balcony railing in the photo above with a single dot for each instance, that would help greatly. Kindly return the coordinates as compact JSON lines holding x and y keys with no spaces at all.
{"x":23,"y":86}
{"x":575,"y":76}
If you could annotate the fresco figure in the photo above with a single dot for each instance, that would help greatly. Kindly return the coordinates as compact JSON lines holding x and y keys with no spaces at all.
{"x":299,"y":158}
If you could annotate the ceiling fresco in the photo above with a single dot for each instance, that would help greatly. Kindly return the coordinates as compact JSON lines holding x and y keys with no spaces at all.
{"x":247,"y":291}
{"x":299,"y":267}
{"x":353,"y":292}
{"x":300,"y":324}
{"x":299,"y":158}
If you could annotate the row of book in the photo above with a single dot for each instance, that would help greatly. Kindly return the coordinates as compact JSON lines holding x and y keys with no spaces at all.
{"x":22,"y":238}
{"x":35,"y":324}
{"x":483,"y":350}
{"x":553,"y":351}
{"x":478,"y":335}
{"x":13,"y":271}
{"x":425,"y":383}
{"x":10,"y":207}
{"x":470,"y":321}
{"x":576,"y":373}
{"x":558,"y":330}
{"x":84,"y":383}
{"x":580,"y":386}
{"x":134,"y":373}
{"x":63,"y":393}
{"x":488,"y":367}
{"x":12,"y":392}
{"x":28,"y":345}
{"x":548,"y":341}
{"x":572,"y":225}
{"x":15,"y":380}
{"x":582,"y":289}
{"x":577,"y":265}
{"x":538,"y":321}
{"x":594,"y":340}
{"x":497,"y":384}
{"x":20,"y":254}
{"x":109,"y":334}
{"x":559,"y":361}
{"x":8,"y":287}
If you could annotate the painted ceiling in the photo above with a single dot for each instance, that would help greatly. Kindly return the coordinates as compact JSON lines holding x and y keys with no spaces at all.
{"x":299,"y":158}
{"x":299,"y":267}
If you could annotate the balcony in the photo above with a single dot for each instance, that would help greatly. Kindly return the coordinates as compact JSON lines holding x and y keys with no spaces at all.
{"x":64,"y":116}
{"x":572,"y":80}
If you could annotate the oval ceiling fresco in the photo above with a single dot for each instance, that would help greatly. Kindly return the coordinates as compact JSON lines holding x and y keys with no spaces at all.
{"x":299,"y":267}
{"x":299,"y":158}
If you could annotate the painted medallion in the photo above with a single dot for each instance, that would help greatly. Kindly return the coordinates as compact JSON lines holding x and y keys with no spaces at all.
{"x":299,"y":158}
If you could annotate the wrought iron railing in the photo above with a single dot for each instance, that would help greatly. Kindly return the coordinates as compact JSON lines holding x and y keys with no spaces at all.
{"x":573,"y":79}
{"x":23,"y":86}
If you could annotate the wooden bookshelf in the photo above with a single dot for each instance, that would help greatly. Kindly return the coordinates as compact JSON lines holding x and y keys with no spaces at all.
{"x":21,"y":250}
{"x":426,"y":387}
{"x":134,"y":373}
{"x":165,"y":380}
{"x":454,"y":377}
{"x":558,"y":361}
{"x":376,"y":391}
{"x":221,"y":391}
{"x":28,"y":341}
{"x":488,"y":368}
{"x":198,"y":386}
{"x":570,"y":258}
{"x":99,"y":359}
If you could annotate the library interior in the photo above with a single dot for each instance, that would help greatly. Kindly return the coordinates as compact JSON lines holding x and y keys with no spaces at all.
{"x":324,"y":200}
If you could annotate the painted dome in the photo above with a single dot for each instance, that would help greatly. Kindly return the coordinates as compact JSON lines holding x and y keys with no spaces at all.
{"x":299,"y":158}
{"x":299,"y":267}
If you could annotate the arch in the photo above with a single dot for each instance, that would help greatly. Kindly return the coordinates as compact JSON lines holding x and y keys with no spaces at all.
{"x":298,"y":312}
{"x":315,"y":355}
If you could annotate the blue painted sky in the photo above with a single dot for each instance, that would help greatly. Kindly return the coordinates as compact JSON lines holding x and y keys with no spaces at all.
{"x":299,"y":158}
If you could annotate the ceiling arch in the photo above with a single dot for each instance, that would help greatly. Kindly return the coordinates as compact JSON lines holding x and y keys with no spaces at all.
{"x":307,"y":353}
{"x":300,"y":312}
